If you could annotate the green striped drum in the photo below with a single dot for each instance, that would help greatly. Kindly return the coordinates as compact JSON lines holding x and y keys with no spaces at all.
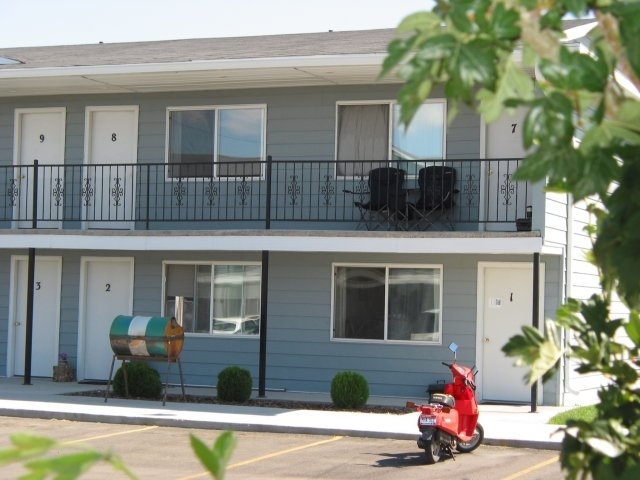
{"x":146,"y":336}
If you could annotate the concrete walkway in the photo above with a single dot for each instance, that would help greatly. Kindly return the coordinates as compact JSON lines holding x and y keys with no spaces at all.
{"x":505,"y":425}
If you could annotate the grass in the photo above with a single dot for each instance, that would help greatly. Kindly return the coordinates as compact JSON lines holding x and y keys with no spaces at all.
{"x":587,"y":414}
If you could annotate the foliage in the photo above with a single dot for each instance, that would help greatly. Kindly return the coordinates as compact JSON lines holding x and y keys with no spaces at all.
{"x":234,"y":384}
{"x":587,"y":414}
{"x":349,"y":390}
{"x":32,"y":451}
{"x":467,"y":47}
{"x":143,"y":381}
{"x":215,"y":459}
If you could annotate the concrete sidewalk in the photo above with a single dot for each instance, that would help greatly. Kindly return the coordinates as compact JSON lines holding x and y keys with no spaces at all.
{"x":505,"y":425}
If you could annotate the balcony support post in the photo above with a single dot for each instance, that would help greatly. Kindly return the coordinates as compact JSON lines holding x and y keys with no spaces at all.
{"x":535,"y":321}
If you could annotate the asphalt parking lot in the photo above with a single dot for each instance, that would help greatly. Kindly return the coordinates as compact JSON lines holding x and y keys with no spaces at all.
{"x":164,"y":452}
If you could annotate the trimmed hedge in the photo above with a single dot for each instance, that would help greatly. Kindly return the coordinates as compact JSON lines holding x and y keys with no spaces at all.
{"x":143,"y":381}
{"x":349,"y":390}
{"x":234,"y":384}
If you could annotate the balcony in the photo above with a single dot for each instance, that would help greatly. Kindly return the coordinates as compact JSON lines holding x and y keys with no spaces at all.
{"x":274,"y":194}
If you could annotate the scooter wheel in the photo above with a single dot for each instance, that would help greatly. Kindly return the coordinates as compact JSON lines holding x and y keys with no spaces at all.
{"x":471,"y":445}
{"x":433,"y":451}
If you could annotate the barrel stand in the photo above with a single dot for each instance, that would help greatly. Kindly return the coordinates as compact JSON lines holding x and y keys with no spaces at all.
{"x":138,"y":358}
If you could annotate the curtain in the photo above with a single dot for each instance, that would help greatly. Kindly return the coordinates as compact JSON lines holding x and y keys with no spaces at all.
{"x":363,"y":137}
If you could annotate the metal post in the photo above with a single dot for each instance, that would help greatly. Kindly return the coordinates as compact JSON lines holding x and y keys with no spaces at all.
{"x":28,"y":340}
{"x":264,"y":291}
{"x":31,"y":269}
{"x":535,"y":320}
{"x":267,"y":222}
{"x":262,"y":366}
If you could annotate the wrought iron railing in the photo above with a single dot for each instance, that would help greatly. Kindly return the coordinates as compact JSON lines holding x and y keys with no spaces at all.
{"x":270,"y":194}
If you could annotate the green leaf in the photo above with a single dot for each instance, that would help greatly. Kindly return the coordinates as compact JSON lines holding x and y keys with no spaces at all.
{"x":633,"y":328}
{"x":576,"y":71}
{"x":474,"y":63}
{"x":541,"y":354}
{"x":505,"y":23}
{"x":549,"y":122}
{"x":65,"y":467}
{"x":628,"y":15}
{"x":215,"y":460}
{"x":419,"y":21}
{"x":513,"y":84}
{"x":25,"y":445}
{"x":437,"y":47}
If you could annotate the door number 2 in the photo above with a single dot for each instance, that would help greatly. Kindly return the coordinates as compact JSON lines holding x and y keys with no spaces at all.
{"x":107,"y":287}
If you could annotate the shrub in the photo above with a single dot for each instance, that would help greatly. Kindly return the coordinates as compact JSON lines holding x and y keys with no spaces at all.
{"x":349,"y":390}
{"x":143,"y":381}
{"x":234,"y":384}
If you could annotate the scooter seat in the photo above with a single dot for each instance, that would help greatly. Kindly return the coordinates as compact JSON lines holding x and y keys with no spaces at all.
{"x":444,"y":399}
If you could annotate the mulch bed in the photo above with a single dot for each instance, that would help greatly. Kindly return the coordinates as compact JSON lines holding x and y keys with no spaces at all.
{"x":262,"y":402}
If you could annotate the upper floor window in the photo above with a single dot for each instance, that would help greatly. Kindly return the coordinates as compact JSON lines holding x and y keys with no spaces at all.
{"x":216,"y":141}
{"x":213,"y":298}
{"x":370,"y":134}
{"x":387,"y":303}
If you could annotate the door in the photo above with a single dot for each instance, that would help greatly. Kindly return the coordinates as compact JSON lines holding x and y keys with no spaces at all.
{"x":506,"y":293}
{"x":39,"y":135}
{"x":505,"y":200}
{"x":46,"y":314}
{"x":111,"y":151}
{"x":106,"y":291}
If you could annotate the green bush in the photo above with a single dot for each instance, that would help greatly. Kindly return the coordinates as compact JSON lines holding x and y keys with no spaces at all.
{"x":349,"y":390}
{"x":234,"y":384}
{"x":143,"y":381}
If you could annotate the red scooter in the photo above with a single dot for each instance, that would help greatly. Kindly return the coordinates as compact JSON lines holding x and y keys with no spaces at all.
{"x":450,"y":419}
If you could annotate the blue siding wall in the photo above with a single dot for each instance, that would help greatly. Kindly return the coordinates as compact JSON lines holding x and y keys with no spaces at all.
{"x":300,"y":354}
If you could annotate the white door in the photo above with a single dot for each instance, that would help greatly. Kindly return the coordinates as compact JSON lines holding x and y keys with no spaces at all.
{"x":505,"y":199}
{"x":39,"y":135}
{"x":506,"y":299}
{"x":111,"y":151}
{"x":106,"y":291}
{"x":46,"y":314}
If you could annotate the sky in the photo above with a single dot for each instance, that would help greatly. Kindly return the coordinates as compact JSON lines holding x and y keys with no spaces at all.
{"x":26,"y":23}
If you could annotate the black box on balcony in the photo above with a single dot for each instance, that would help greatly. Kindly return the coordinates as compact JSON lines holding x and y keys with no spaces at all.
{"x":523,"y":224}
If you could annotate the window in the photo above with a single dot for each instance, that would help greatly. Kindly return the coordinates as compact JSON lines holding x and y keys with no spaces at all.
{"x":387,"y":303}
{"x":370,"y":135}
{"x":215,"y":141}
{"x":213,"y":298}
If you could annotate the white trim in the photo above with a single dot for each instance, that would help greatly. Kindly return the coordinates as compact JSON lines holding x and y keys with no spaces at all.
{"x":296,"y":62}
{"x":279,"y":242}
{"x":81,"y":367}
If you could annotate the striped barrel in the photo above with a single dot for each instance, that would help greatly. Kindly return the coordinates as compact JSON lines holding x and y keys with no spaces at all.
{"x":146,"y":336}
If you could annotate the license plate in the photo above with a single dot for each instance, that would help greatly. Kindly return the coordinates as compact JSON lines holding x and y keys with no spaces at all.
{"x":427,"y":420}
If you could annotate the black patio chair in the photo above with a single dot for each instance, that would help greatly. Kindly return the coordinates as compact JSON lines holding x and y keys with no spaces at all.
{"x":437,"y":188}
{"x":387,"y":206}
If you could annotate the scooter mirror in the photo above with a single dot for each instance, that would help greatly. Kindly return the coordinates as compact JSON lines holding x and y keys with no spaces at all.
{"x":453,"y":347}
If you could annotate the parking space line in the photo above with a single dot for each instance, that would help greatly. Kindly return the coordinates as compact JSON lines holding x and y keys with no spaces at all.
{"x":108,"y":435}
{"x":268,"y":456}
{"x":533,"y":468}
